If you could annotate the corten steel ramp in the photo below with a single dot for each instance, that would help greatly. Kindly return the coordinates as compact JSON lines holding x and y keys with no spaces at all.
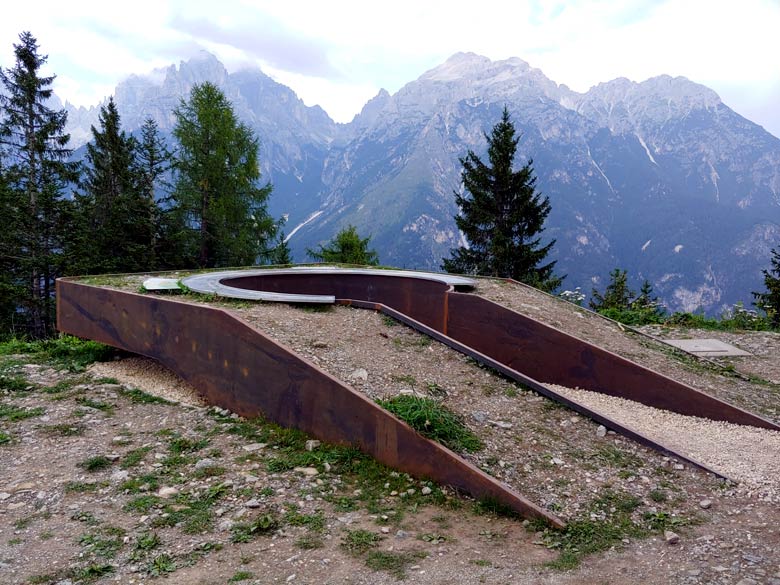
{"x":237,"y":367}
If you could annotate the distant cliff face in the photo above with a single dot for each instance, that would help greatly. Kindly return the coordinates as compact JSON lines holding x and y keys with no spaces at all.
{"x":659,"y":177}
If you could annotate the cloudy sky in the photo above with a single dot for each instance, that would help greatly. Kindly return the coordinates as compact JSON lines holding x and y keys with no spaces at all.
{"x":340,"y":53}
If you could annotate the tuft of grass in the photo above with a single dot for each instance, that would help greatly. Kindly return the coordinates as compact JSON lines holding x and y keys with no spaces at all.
{"x":93,"y":572}
{"x":65,"y":430}
{"x":80,"y":487}
{"x":4,"y":438}
{"x":241,"y":576}
{"x":147,"y":541}
{"x":15,"y":384}
{"x":95,"y":463}
{"x":96,"y":404}
{"x":14,"y":413}
{"x":310,"y":542}
{"x":245,"y":532}
{"x":137,"y":396}
{"x":64,"y":351}
{"x":359,"y":541}
{"x":434,"y":421}
{"x":395,"y":563}
{"x":134,"y":457}
{"x":161,"y":565}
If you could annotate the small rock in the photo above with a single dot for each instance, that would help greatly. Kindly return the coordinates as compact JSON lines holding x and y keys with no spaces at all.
{"x":479,"y":416}
{"x":4,"y":496}
{"x":312,"y":444}
{"x":747,"y":581}
{"x":205,"y":464}
{"x":426,"y":491}
{"x":359,"y":374}
{"x":226,"y":525}
{"x":705,"y":504}
{"x":26,"y":486}
{"x":319,"y":344}
{"x":167,"y":492}
{"x":249,"y":478}
{"x":307,"y":471}
{"x":500,"y":424}
{"x":253,"y":447}
{"x":402,"y":534}
{"x":671,"y":537}
{"x":253,"y":503}
{"x":694,"y":572}
{"x":385,"y":530}
{"x":601,"y":431}
{"x":326,"y":465}
{"x":557,"y":461}
{"x":720,"y":569}
{"x":679,"y":466}
{"x":119,"y":475}
{"x":16,"y":505}
{"x":291,"y":577}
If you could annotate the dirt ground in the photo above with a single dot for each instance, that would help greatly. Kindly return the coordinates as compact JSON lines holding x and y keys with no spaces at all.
{"x":100,"y":483}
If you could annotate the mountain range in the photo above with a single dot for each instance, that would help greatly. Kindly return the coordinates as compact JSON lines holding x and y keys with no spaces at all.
{"x":660,"y":178}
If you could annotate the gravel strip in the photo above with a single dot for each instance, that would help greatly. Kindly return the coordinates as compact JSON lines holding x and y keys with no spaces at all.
{"x":748,"y":455}
{"x":151,"y":377}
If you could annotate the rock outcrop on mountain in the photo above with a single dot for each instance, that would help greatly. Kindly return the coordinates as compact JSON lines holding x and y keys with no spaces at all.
{"x":660,"y":177}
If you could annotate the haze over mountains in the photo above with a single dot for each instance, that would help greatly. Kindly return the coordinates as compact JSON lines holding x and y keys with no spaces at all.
{"x":659,"y":177}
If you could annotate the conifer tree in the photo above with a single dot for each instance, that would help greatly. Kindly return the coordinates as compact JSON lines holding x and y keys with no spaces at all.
{"x":347,"y":247}
{"x":219,"y":214}
{"x":35,"y":148}
{"x":502,"y":216}
{"x":769,"y":300}
{"x":281,"y":254}
{"x":617,"y":295}
{"x":116,"y":218}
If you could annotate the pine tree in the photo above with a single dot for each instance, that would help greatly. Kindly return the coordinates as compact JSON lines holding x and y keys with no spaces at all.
{"x":769,"y":300}
{"x":219,"y":214}
{"x":280,"y":254}
{"x":617,"y":295}
{"x":117,"y":218}
{"x":153,"y":163}
{"x":347,"y":247}
{"x":35,"y":149}
{"x":502,"y":215}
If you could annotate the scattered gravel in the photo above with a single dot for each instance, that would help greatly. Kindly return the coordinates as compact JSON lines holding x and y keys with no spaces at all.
{"x":745,"y":454}
{"x":151,"y":377}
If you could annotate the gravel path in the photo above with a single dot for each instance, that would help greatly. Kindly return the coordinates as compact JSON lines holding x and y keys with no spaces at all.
{"x":748,"y":455}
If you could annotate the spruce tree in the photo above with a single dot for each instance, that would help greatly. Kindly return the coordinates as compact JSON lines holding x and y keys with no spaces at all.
{"x":219,"y":214}
{"x":347,"y":247}
{"x":153,"y":163}
{"x":769,"y":300}
{"x":617,"y":295}
{"x":502,"y":216}
{"x":116,"y":216}
{"x":35,"y":148}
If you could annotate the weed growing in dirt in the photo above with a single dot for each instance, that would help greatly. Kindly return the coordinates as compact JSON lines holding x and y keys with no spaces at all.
{"x":96,"y":404}
{"x":395,"y":563}
{"x":13,"y":384}
{"x":140,"y":397}
{"x":241,"y":576}
{"x":134,"y":457}
{"x":65,"y":430}
{"x":96,"y":463}
{"x":80,"y":487}
{"x":14,"y":413}
{"x":433,"y":420}
{"x":357,"y":542}
{"x":161,"y":565}
{"x":247,"y":531}
{"x":4,"y":438}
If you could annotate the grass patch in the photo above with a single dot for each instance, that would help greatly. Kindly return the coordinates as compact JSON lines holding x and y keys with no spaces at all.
{"x":161,"y":565}
{"x":96,"y":463}
{"x":315,"y":522}
{"x":65,"y":430}
{"x":241,"y":576}
{"x":137,"y":396}
{"x":434,"y":421}
{"x":96,"y":404}
{"x":134,"y":457}
{"x":64,"y":351}
{"x":80,"y":487}
{"x":310,"y":542}
{"x":395,"y":563}
{"x":14,"y":384}
{"x":247,"y":531}
{"x":4,"y":438}
{"x":192,"y":512}
{"x":14,"y":413}
{"x":357,"y":542}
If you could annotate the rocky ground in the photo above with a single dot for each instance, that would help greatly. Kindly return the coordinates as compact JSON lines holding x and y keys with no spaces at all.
{"x":103,"y":482}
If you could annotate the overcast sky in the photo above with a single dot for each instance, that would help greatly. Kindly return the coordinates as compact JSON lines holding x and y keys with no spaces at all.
{"x":340,"y":53}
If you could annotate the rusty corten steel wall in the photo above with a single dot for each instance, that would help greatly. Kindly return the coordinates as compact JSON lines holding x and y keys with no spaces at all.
{"x":549,"y":355}
{"x":521,"y":343}
{"x":422,"y":300}
{"x":237,"y":367}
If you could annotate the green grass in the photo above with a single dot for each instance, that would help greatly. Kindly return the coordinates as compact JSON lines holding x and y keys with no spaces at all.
{"x":161,"y":565}
{"x":9,"y":383}
{"x":96,"y":404}
{"x":65,"y":430}
{"x":14,"y":413}
{"x":64,"y":351}
{"x":241,"y":576}
{"x":147,"y":541}
{"x":357,"y":542}
{"x":80,"y":487}
{"x":434,"y":421}
{"x":395,"y":563}
{"x":134,"y":457}
{"x":140,"y":397}
{"x":4,"y":438}
{"x":96,"y":463}
{"x":247,"y":531}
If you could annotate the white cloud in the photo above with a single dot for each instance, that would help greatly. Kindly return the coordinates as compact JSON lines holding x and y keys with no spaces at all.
{"x":349,"y":49}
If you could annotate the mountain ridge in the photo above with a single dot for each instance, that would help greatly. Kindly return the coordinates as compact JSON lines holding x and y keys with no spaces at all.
{"x":658,"y":177}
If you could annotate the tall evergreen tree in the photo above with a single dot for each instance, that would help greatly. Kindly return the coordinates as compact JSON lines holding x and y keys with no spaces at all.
{"x":769,"y":300}
{"x":502,"y":215}
{"x":346,"y":247}
{"x":219,"y":212}
{"x":154,"y":161}
{"x":117,"y":218}
{"x":35,"y":149}
{"x":616,"y":295}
